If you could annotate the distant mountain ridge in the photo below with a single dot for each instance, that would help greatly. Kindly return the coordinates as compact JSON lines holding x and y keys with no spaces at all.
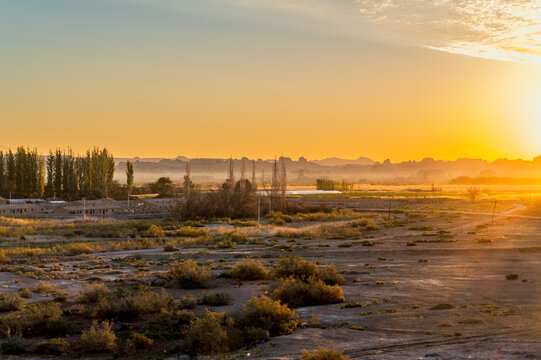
{"x":335,"y":161}
{"x":306,"y":171}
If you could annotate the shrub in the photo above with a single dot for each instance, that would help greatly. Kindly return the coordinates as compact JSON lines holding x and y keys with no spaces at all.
{"x":249,"y":270}
{"x":128,"y":307}
{"x":330,"y":277}
{"x":323,"y":354}
{"x":187,"y":302}
{"x":140,"y":341}
{"x":209,"y":335}
{"x":153,"y":231}
{"x":188,"y":275}
{"x":14,"y":345}
{"x":92,"y":293}
{"x":215,"y":299}
{"x":75,"y":249}
{"x":268,"y":315}
{"x":294,"y":266}
{"x":184,"y":317}
{"x":190,"y":231}
{"x":299,"y":268}
{"x":25,"y":292}
{"x":442,"y":306}
{"x":170,"y":248}
{"x":43,"y":319}
{"x":297,"y":293}
{"x":11,"y":302}
{"x":99,"y":338}
{"x":56,"y":346}
{"x":46,"y":288}
{"x":279,"y":218}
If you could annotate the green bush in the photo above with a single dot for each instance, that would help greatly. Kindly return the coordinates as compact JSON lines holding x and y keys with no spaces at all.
{"x":323,"y":354}
{"x":297,"y":293}
{"x":11,"y":302}
{"x":249,"y":270}
{"x":188,"y":275}
{"x":215,"y":299}
{"x":99,"y":338}
{"x":56,"y":346}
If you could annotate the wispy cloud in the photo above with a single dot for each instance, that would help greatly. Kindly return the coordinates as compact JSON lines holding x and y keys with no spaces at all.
{"x":495,"y":29}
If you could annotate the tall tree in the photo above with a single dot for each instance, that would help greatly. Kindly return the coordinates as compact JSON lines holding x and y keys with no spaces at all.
{"x":129,"y":177}
{"x":2,"y":175}
{"x":49,"y":189}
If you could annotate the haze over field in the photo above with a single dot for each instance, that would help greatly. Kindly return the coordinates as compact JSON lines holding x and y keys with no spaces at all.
{"x":214,"y":78}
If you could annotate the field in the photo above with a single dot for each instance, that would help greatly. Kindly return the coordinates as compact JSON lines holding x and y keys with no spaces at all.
{"x":439,"y":278}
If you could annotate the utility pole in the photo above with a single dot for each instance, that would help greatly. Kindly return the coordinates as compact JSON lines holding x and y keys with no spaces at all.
{"x":258,"y":210}
{"x":494,"y":212}
{"x":84,"y":209}
{"x":390,"y":203}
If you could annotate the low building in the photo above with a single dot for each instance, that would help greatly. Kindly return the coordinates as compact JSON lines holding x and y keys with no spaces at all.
{"x":21,"y":209}
{"x":91,"y":209}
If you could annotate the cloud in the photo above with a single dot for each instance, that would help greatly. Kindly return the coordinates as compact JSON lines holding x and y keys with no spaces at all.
{"x":494,"y":29}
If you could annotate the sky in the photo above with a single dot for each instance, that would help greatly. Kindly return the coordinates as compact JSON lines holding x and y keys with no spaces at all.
{"x":316,"y":78}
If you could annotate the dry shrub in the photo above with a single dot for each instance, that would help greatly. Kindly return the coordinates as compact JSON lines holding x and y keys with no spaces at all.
{"x":56,"y":347}
{"x":4,"y":259}
{"x":128,"y":307}
{"x":44,"y":319}
{"x":190,"y":231}
{"x":25,"y":292}
{"x":100,"y":337}
{"x":323,"y":354}
{"x":92,"y":293}
{"x":153,"y":231}
{"x":268,"y":315}
{"x":140,"y":341}
{"x":299,"y":268}
{"x":249,"y":270}
{"x":188,"y":275}
{"x":294,"y":266}
{"x":211,"y":334}
{"x":214,"y":299}
{"x":297,"y":293}
{"x":11,"y":302}
{"x":75,"y":249}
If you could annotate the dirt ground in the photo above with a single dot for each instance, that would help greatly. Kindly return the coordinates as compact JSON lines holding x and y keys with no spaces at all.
{"x":446,"y":297}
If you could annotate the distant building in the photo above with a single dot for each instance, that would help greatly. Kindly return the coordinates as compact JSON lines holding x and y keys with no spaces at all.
{"x":21,"y":209}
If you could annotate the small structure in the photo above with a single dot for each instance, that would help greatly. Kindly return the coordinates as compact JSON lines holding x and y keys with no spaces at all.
{"x":21,"y":209}
{"x":90,"y":207}
{"x":89,"y":210}
{"x":151,"y":206}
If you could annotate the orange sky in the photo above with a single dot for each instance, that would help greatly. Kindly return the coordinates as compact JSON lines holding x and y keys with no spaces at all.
{"x":212,"y":78}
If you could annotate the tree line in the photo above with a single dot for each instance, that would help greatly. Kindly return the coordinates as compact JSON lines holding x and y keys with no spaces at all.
{"x":62,"y":174}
